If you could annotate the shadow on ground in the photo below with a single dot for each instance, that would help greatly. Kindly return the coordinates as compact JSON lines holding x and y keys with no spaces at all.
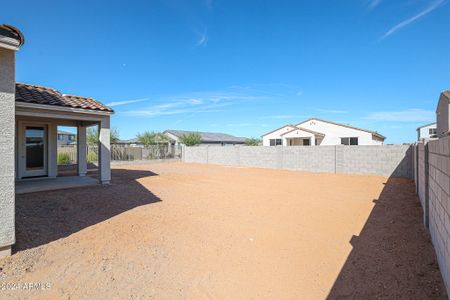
{"x":44,"y":217}
{"x":393,"y":256}
{"x":72,"y":170}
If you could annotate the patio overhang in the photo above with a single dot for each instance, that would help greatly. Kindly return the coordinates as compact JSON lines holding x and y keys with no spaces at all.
{"x":46,"y":118}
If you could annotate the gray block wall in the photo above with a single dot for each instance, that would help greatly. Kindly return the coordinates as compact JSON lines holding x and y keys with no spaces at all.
{"x":7,"y":133}
{"x":439,"y":202}
{"x":309,"y":159}
{"x":386,"y":160}
{"x":195,"y":154}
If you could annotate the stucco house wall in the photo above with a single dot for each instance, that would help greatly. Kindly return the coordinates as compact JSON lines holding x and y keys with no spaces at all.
{"x":298,"y":135}
{"x":276,"y":134}
{"x":423,"y":132}
{"x":7,"y":133}
{"x":332,"y":134}
{"x":443,"y":115}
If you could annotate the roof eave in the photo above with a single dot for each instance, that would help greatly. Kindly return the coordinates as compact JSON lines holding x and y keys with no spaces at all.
{"x":63,"y":108}
{"x":379,"y":136}
{"x":287,"y":125}
{"x":9,"y":42}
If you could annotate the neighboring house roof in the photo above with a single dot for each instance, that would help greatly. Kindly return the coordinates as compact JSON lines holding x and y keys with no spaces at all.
{"x":418,"y":128}
{"x":303,"y":129}
{"x":65,"y":132}
{"x":288,"y":125}
{"x":29,"y":93}
{"x":347,"y":126}
{"x":210,"y":137}
{"x":130,"y":141}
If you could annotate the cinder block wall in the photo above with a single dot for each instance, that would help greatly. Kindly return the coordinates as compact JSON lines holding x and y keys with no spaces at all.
{"x":195,"y":155}
{"x":433,"y":184}
{"x":309,"y":159}
{"x":386,"y":160}
{"x":7,"y":132}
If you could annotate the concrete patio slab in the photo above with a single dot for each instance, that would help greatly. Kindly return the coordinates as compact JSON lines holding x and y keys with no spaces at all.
{"x":58,"y":183}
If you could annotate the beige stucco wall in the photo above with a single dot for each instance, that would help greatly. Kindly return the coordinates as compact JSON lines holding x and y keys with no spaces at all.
{"x":7,"y":133}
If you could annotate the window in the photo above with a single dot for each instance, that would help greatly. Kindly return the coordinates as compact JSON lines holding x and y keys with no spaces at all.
{"x":71,"y":137}
{"x":60,"y":137}
{"x":306,"y":142}
{"x":275,"y":142}
{"x":349,"y":141}
{"x":432,"y":131}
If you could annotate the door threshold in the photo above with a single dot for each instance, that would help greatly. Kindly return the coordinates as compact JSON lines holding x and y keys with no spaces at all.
{"x":34,"y":178}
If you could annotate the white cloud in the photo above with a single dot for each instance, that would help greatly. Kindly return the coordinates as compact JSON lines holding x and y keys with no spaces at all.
{"x":409,"y":115}
{"x":332,"y":111}
{"x":374,"y":3}
{"x":203,"y":40}
{"x":203,"y":102}
{"x":124,"y":102}
{"x":434,"y":5}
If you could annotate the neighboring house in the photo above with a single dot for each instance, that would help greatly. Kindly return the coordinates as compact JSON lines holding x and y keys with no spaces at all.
{"x":66,"y":138}
{"x":207,"y":138}
{"x":131,"y":142}
{"x":316,"y":131}
{"x":443,"y":115}
{"x":426,"y":132}
{"x":29,"y":116}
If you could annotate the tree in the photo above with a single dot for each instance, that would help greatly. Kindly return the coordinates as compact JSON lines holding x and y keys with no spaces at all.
{"x":191,"y":139}
{"x":92,"y":135}
{"x":114,"y":135}
{"x":152,"y":138}
{"x":252,"y":142}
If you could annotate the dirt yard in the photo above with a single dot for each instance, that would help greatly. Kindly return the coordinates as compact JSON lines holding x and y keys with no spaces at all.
{"x":178,"y":230}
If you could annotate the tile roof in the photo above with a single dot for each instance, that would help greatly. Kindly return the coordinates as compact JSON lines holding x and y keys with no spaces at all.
{"x":210,"y":137}
{"x":11,"y":35}
{"x":29,"y":93}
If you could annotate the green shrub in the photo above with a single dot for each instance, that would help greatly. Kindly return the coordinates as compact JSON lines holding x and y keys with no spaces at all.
{"x":252,"y":142}
{"x":63,"y":158}
{"x":191,"y":139}
{"x":152,"y":138}
{"x":91,"y":157}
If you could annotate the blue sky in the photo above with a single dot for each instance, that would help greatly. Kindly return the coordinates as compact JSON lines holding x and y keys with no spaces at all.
{"x":242,"y":67}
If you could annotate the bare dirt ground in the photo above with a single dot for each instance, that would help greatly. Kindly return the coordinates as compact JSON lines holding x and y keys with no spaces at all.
{"x":178,"y":230}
